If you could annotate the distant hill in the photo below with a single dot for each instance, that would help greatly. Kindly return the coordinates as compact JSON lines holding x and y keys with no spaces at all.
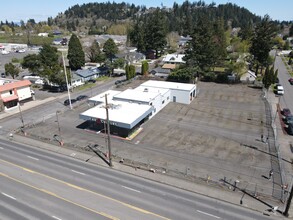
{"x":100,"y":17}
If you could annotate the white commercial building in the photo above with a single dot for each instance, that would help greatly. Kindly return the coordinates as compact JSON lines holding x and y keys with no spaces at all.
{"x":132,"y":107}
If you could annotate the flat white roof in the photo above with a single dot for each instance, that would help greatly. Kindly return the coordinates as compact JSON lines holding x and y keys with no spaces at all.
{"x":101,"y":97}
{"x":141,"y":94}
{"x":169,"y":85}
{"x":131,"y":94}
{"x":121,"y":112}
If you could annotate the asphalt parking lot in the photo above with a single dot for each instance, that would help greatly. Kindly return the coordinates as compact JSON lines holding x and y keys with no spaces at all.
{"x":213,"y":138}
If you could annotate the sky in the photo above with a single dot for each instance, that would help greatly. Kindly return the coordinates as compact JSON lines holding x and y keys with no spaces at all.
{"x":40,"y":10}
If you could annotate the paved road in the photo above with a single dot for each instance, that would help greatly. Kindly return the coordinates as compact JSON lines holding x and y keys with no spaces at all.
{"x":38,"y":184}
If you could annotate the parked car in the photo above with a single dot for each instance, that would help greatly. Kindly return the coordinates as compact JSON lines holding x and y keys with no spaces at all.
{"x":279,"y":89}
{"x":290,"y":129}
{"x":289,"y":119}
{"x":66,"y":102}
{"x":81,"y":97}
{"x":285,"y":112}
{"x":92,"y":80}
{"x":290,"y":81}
{"x":56,"y":89}
{"x":20,"y":51}
{"x":3,"y":75}
{"x":5,"y":52}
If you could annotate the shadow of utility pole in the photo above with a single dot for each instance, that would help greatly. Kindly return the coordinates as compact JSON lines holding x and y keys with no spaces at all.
{"x":255,"y":148}
{"x":98,"y":153}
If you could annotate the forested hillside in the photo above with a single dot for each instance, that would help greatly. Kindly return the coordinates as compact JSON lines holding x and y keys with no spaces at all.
{"x":100,"y":17}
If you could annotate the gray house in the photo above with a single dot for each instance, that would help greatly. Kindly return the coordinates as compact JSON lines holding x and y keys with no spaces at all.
{"x":132,"y":57}
{"x":88,"y":74}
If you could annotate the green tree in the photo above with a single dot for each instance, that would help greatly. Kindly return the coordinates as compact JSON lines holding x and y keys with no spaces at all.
{"x":220,"y":41}
{"x":11,"y":70}
{"x":119,"y":63}
{"x":132,"y":71}
{"x":50,"y":65}
{"x":127,"y":72}
{"x":110,"y":49}
{"x":156,"y":32}
{"x":268,"y":78}
{"x":262,"y":42}
{"x":291,"y":30}
{"x":94,"y":53}
{"x":144,"y":68}
{"x":32,"y":63}
{"x":200,"y":52}
{"x":75,"y":55}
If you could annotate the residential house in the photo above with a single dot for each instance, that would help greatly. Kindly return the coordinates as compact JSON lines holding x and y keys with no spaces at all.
{"x":14,"y":91}
{"x":88,"y":74}
{"x":183,"y":41}
{"x":174,"y":59}
{"x":249,"y":76}
{"x":76,"y":80}
{"x":132,"y":57}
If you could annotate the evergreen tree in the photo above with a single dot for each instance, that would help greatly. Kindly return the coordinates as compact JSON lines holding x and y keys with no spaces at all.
{"x":155,"y":32}
{"x":110,"y":49}
{"x":201,"y":48}
{"x":144,"y":68}
{"x":220,"y":41}
{"x":75,"y":55}
{"x":268,"y":78}
{"x":262,"y":42}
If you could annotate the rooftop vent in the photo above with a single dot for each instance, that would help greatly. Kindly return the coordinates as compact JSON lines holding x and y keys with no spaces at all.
{"x":146,"y":90}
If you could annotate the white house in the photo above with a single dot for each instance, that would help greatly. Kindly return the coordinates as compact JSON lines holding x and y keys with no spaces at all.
{"x":249,"y":76}
{"x":174,"y":58}
{"x":12,"y":93}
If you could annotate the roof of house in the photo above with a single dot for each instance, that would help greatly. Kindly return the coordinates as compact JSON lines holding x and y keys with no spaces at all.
{"x":87,"y":72}
{"x":160,"y":70}
{"x":169,"y":66}
{"x":174,"y":58}
{"x":13,"y":85}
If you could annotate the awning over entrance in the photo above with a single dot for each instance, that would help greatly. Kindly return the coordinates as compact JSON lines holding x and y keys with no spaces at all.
{"x":9,"y":98}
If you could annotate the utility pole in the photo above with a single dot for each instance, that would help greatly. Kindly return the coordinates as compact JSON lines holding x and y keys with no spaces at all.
{"x":21,"y":118}
{"x":108,"y":129}
{"x":59,"y":129}
{"x":66,"y":81}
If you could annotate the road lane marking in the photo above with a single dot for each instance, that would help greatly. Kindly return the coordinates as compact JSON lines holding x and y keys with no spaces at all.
{"x":11,"y":197}
{"x":28,"y":170}
{"x":1,"y":148}
{"x":131,"y":189}
{"x":55,"y":195}
{"x":205,"y":213}
{"x":34,"y":158}
{"x":78,"y":172}
{"x":86,"y":190}
{"x":53,"y":216}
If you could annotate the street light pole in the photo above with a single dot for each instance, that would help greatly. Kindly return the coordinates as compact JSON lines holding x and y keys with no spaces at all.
{"x":108,"y":131}
{"x":70,"y":104}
